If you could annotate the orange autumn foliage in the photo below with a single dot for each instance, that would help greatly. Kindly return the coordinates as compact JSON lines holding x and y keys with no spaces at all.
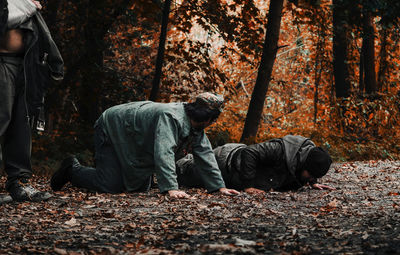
{"x":217,"y":45}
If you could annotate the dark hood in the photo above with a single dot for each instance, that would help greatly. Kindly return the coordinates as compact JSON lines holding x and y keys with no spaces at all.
{"x":296,"y":149}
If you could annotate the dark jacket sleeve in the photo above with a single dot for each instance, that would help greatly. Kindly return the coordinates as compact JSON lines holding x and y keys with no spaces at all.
{"x":51,"y":55}
{"x":258,"y":157}
{"x":3,"y":17}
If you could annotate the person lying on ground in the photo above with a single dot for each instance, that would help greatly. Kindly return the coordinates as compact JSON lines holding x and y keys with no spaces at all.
{"x":280,"y":164}
{"x":135,"y":140}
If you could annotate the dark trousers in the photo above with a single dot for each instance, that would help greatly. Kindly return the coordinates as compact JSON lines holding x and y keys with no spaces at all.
{"x":14,"y":120}
{"x":106,"y":177}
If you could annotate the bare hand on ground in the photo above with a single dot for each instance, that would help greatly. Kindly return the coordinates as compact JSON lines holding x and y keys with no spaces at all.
{"x":229,"y":192}
{"x":322,"y":186}
{"x":178,"y":194}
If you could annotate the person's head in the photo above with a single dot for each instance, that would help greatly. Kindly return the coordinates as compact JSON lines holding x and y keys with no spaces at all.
{"x":204,"y":109}
{"x":316,"y":165}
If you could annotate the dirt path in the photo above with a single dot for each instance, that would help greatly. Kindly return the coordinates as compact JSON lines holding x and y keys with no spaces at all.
{"x":361,"y":217}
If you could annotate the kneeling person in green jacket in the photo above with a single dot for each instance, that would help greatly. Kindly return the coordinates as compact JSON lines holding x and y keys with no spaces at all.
{"x":135,"y":140}
{"x":280,"y":164}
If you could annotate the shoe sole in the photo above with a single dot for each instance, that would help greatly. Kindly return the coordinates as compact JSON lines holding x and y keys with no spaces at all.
{"x":61,"y":174}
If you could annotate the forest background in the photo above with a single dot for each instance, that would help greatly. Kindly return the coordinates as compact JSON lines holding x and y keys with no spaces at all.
{"x":328,"y":70}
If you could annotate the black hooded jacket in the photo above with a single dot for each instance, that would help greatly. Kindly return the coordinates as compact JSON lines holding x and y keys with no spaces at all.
{"x":274,"y":164}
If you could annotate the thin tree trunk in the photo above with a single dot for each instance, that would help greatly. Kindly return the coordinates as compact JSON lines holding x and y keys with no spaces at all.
{"x":383,"y":61}
{"x":318,"y":61}
{"x":161,"y":49}
{"x":258,"y":96}
{"x":340,"y":43}
{"x":361,"y":73}
{"x":369,"y":53}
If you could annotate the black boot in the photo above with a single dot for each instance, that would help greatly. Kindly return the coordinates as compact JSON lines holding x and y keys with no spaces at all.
{"x":21,"y":190}
{"x":63,"y":175}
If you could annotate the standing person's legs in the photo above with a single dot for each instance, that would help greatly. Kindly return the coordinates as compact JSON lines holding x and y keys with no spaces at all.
{"x":14,"y":127}
{"x":17,"y":144}
{"x":15,"y":130}
{"x":7,"y":93}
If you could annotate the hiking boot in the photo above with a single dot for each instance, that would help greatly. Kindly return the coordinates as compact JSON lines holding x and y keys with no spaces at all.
{"x":21,"y":191}
{"x":63,"y":175}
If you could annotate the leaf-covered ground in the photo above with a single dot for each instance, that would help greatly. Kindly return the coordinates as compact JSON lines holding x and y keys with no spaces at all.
{"x":361,"y":217}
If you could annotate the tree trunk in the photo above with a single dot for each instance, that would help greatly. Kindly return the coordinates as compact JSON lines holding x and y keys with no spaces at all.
{"x":340,"y":43}
{"x":369,"y":53}
{"x":50,"y":13}
{"x":161,"y":49}
{"x":383,"y":61}
{"x":318,"y":71}
{"x":100,"y":17}
{"x":361,"y":73}
{"x":256,"y":106}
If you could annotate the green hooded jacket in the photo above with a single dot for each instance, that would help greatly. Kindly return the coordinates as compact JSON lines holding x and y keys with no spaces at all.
{"x":148,"y":138}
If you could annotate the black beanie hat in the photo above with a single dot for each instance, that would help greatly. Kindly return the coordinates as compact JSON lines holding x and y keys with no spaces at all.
{"x":318,"y":162}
